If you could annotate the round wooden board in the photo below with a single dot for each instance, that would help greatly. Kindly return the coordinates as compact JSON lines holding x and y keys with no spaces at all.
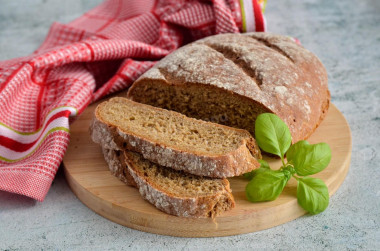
{"x":89,"y":178}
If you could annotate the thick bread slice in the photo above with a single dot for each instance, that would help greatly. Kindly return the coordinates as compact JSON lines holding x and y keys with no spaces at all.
{"x":173,"y":140}
{"x":174,"y":192}
{"x":232,"y":78}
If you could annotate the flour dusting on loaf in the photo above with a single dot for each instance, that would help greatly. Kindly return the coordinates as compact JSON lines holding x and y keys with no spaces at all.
{"x":272,"y":71}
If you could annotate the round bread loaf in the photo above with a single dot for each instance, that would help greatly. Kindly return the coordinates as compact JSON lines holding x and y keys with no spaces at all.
{"x":232,"y":78}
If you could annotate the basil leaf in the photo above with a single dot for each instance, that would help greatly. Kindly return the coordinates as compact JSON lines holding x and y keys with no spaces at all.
{"x":293,"y":149}
{"x":249,"y":175}
{"x":266,"y":186}
{"x":310,"y":159}
{"x":312,"y":195}
{"x":272,"y":134}
{"x":264,"y":166}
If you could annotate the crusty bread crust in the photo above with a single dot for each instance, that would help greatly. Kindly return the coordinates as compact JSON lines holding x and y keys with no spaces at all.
{"x":197,"y":206}
{"x":270,"y":70}
{"x":115,"y":160}
{"x":234,"y":163}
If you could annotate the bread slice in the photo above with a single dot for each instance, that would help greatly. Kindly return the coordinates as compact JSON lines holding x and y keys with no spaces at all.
{"x":174,"y":192}
{"x":173,"y":140}
{"x":115,"y":161}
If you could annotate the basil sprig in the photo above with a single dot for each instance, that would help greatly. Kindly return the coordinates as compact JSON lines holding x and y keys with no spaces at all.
{"x":303,"y":159}
{"x":272,"y":134}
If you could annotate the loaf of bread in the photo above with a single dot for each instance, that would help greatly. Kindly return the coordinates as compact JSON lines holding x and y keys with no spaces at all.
{"x":173,"y":140}
{"x":173,"y":192}
{"x":232,"y":78}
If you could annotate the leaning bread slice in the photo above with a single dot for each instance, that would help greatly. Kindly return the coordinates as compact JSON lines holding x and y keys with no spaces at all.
{"x":174,"y":192}
{"x":115,"y":161}
{"x":173,"y":140}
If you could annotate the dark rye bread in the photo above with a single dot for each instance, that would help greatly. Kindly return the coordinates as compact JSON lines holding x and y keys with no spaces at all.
{"x":171,"y":191}
{"x":174,"y":140}
{"x":231,"y":78}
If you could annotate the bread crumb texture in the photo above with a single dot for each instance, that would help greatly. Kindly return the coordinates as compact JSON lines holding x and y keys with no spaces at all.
{"x":174,"y":140}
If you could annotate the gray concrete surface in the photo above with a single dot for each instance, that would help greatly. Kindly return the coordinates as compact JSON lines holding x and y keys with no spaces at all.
{"x":346,"y":37}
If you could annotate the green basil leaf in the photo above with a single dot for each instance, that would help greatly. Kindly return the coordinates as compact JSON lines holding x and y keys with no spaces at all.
{"x":249,"y":175}
{"x":311,"y":159}
{"x":312,"y":195}
{"x":264,"y":166}
{"x":287,"y":174}
{"x":266,"y":186}
{"x":272,"y":134}
{"x":293,"y":149}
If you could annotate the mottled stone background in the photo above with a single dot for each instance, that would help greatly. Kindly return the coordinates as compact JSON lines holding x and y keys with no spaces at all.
{"x":346,"y":37}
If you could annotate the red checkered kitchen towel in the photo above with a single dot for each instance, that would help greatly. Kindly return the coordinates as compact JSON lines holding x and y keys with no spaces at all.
{"x":101,"y":52}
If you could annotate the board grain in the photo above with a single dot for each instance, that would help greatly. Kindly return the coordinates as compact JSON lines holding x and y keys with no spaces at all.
{"x":88,"y":176}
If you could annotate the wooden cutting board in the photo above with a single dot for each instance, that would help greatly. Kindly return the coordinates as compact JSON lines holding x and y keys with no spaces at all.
{"x":88,"y":176}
